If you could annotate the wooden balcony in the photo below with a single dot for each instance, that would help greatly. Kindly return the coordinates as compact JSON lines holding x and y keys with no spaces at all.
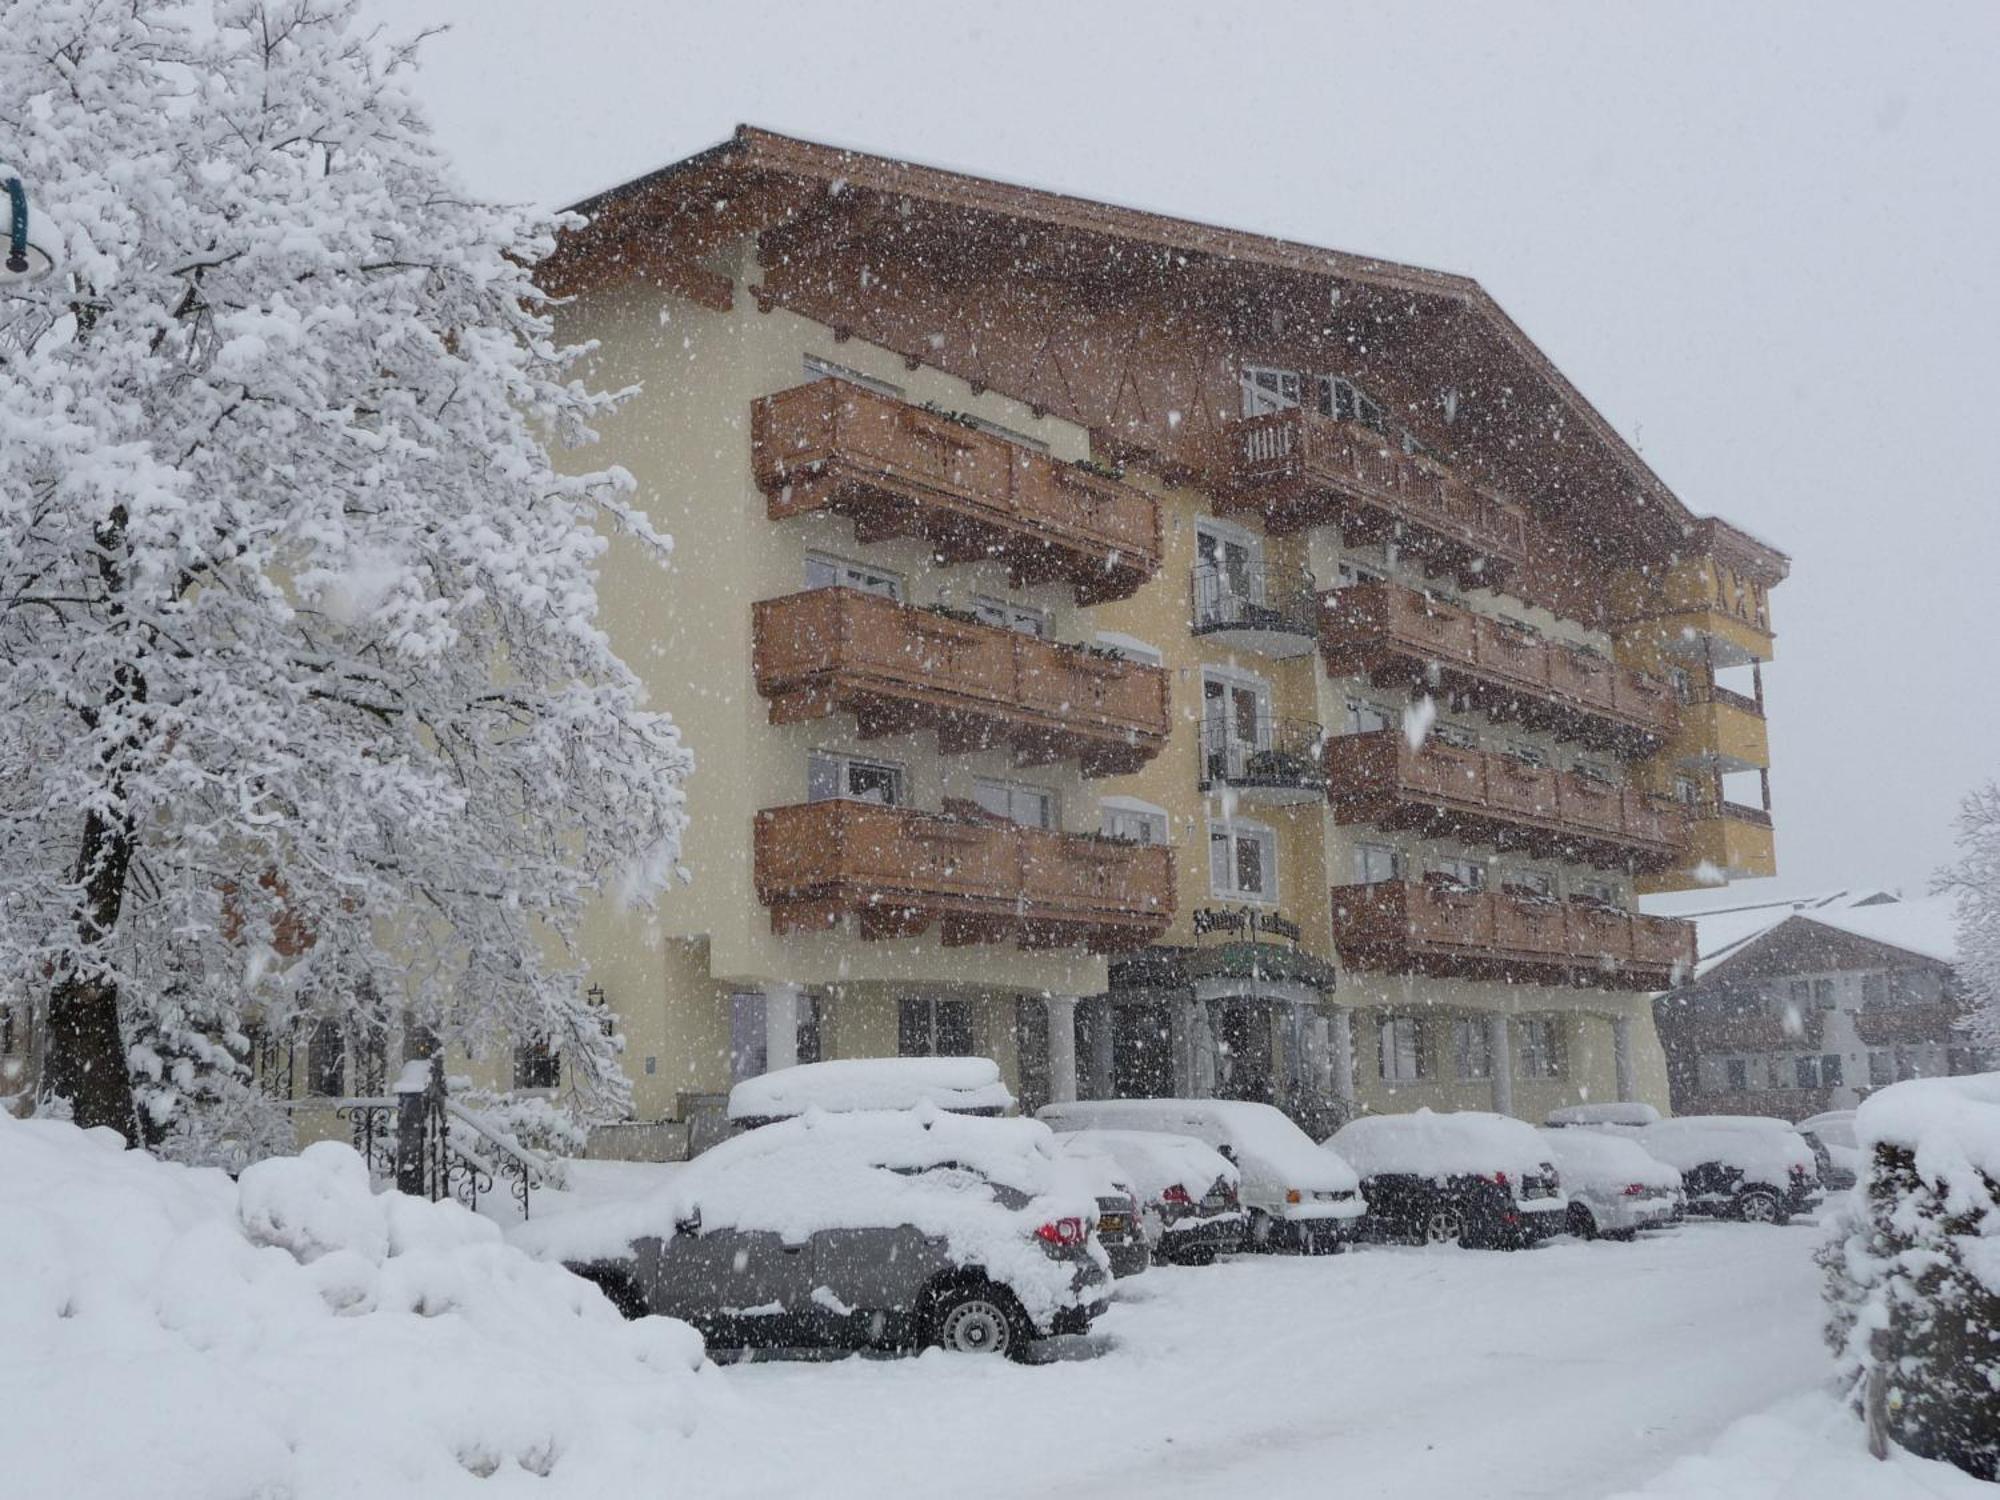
{"x":1300,"y":469}
{"x":1395,"y":635}
{"x":1428,"y":928}
{"x":897,"y":669}
{"x":900,"y":470}
{"x":898,"y":872}
{"x":1888,"y":1025}
{"x":1480,"y":796}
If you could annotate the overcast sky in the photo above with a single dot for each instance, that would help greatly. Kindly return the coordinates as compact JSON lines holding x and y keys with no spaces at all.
{"x":1761,"y":239}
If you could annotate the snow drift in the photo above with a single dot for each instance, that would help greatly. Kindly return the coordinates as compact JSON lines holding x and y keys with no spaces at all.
{"x":171,"y":1333}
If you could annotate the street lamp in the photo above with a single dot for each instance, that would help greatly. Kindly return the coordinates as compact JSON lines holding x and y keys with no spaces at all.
{"x":25,"y":261}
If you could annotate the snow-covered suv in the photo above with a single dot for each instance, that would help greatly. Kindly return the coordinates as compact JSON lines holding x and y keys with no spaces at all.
{"x":1463,"y":1177}
{"x":876,"y":1228}
{"x":1737,"y":1166}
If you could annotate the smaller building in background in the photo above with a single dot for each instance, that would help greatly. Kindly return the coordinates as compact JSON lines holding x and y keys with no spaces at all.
{"x":1802,"y":1006}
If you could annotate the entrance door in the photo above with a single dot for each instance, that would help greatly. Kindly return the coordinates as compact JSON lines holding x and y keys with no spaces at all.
{"x":1235,"y":726}
{"x":1243,"y":1051}
{"x":1142,"y":1054}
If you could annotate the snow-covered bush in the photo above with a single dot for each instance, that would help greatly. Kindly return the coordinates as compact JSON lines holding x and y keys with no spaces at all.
{"x":1913,"y":1270}
{"x":173,"y":1334}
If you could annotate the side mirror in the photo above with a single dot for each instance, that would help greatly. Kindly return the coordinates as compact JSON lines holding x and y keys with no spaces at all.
{"x":691,"y":1224}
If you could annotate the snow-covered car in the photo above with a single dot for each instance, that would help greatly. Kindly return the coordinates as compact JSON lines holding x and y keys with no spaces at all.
{"x":1831,"y":1135}
{"x":1297,"y":1196}
{"x":961,"y":1085}
{"x":1120,"y":1225}
{"x":1190,"y":1211}
{"x":1621,"y":1112}
{"x":1748,"y":1167}
{"x":875,"y":1228}
{"x":1461,"y":1177}
{"x":1614,"y":1186}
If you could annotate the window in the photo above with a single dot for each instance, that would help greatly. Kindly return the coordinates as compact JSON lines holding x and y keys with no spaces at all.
{"x":1602,"y":892}
{"x":1242,"y":861}
{"x":1801,"y":994}
{"x":1375,"y":864}
{"x":1130,"y":647}
{"x":1267,"y":390}
{"x":1344,"y":401}
{"x":824,"y":572}
{"x":819,"y":369}
{"x":1349,"y":574}
{"x":1874,"y":989}
{"x":1541,"y":1049}
{"x":1805,"y":1072}
{"x":1881,"y":1069}
{"x":832,"y":777}
{"x":1235,"y":725}
{"x":1402,"y":1049}
{"x":1024,"y":619}
{"x":1596,"y":770}
{"x":1532,"y":883}
{"x":1527,"y":754}
{"x":1738,"y":1072}
{"x":1228,"y":573}
{"x":326,"y":1061}
{"x":1029,"y":806}
{"x":1687,"y":791}
{"x":747,"y":1041}
{"x":1472,"y":1044}
{"x":1137,"y":823}
{"x":1829,"y":1070}
{"x":537,"y":1065}
{"x":1460,"y":736}
{"x":1682,"y":683}
{"x":1822,"y":992}
{"x":1364,"y":717}
{"x":933,"y":1028}
{"x":1469,"y":873}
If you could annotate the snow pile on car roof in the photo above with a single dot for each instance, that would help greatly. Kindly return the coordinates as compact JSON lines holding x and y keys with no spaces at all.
{"x":1763,"y":1149}
{"x":983,"y":1185}
{"x":170,"y":1333}
{"x":1152,"y":1161}
{"x":1609,"y":1112}
{"x":1588,"y":1158}
{"x":1268,"y":1146}
{"x":956,"y":1083}
{"x":1426,"y":1143}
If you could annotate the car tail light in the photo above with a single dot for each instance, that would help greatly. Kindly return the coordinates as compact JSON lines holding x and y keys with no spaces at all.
{"x":1065,"y":1232}
{"x":1797,"y":1170}
{"x":1293,"y":1195}
{"x":1498,"y":1179}
{"x":1176,"y":1195}
{"x":1635,"y":1189}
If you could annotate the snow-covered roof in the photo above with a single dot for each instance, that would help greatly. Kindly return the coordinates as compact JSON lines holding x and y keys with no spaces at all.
{"x":1455,"y":1143}
{"x":1267,"y":1146}
{"x":1153,"y":1161}
{"x":1609,"y":1112}
{"x":1592,"y":1159}
{"x":963,"y":1084}
{"x":1925,"y":926}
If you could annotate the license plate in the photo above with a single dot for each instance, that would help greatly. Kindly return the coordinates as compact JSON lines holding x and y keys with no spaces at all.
{"x":1111,"y":1224}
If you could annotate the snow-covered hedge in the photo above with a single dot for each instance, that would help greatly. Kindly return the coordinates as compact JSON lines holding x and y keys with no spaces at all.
{"x":170,"y":1333}
{"x":1913,"y":1270}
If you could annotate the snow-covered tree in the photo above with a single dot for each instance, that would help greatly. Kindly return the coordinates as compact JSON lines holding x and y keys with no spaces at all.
{"x":305,"y":709}
{"x":1976,"y":881}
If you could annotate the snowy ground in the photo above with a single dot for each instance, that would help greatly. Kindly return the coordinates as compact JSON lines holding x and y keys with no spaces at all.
{"x":1575,"y":1370}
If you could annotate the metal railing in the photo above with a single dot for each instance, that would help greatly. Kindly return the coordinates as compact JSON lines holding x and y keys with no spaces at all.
{"x":1256,"y":596}
{"x":1271,"y":753}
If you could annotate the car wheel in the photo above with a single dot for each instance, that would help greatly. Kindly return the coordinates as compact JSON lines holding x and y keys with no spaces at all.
{"x":1263,"y":1230}
{"x":1202,"y":1257}
{"x":979,"y":1319}
{"x":1582,"y":1223}
{"x":1444,"y":1226}
{"x":1759,"y":1207}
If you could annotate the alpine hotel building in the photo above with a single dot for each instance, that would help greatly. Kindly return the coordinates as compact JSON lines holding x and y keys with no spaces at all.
{"x":1164,"y":659}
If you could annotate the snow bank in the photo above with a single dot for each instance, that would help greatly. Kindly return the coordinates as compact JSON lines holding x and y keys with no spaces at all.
{"x":1764,"y":1150}
{"x":1459,"y":1143}
{"x":1588,"y":1159}
{"x":926,"y":1168}
{"x":1806,"y":1446}
{"x":169,"y":1333}
{"x":955,"y":1083}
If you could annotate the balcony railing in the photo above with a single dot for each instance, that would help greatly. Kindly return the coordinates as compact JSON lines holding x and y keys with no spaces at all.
{"x":900,"y":470}
{"x":1262,"y":607}
{"x":1888,"y":1025}
{"x":1432,"y":928}
{"x":1270,"y":760}
{"x":1488,"y":797}
{"x":896,"y":668}
{"x":1386,"y":632}
{"x":1302,"y":469}
{"x":898,"y":872}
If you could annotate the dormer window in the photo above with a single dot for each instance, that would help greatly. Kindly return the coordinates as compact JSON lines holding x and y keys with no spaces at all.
{"x":1266,"y":389}
{"x":1344,"y":401}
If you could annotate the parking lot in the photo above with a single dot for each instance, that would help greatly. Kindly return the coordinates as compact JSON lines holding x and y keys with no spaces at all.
{"x":1573,"y":1370}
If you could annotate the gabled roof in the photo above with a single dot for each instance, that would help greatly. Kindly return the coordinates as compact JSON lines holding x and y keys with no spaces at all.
{"x":1925,"y":928}
{"x":759,"y":179}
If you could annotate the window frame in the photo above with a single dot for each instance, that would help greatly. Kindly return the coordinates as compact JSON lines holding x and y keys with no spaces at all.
{"x":1389,"y":1044}
{"x":1541,"y":1048}
{"x":1472,"y":1035}
{"x":1010,"y":612}
{"x":842,"y":567}
{"x":1050,"y":798}
{"x":1232,"y":830}
{"x":1155,"y":817}
{"x":1259,"y":400}
{"x":847,"y":762}
{"x":1365,"y":851}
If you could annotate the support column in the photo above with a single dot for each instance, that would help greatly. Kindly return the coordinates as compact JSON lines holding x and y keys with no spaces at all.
{"x":1062,"y":1048}
{"x":1101,"y":1039}
{"x":1621,"y":1057}
{"x":781,"y":1024}
{"x":1500,"y":1043}
{"x":1182,"y":1024}
{"x":1320,"y":1076}
{"x":1204,"y":1051}
{"x":1340,"y":1058}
